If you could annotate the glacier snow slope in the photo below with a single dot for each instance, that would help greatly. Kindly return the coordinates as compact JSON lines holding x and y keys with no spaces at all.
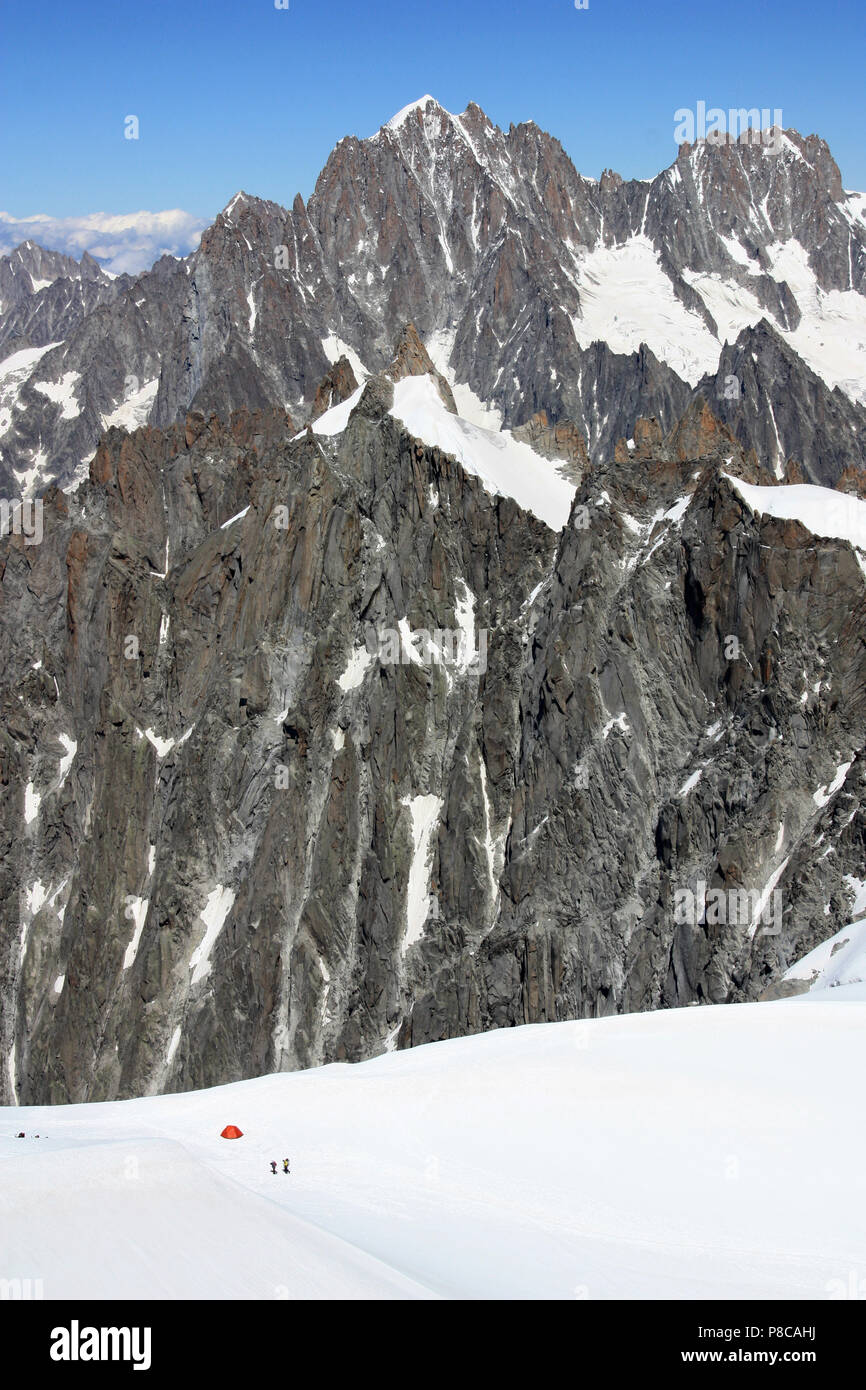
{"x":702,"y":1152}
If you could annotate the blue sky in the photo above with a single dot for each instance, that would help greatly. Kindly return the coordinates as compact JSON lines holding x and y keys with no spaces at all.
{"x":236,"y":93}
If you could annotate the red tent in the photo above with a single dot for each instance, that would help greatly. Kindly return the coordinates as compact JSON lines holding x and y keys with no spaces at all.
{"x":232,"y":1132}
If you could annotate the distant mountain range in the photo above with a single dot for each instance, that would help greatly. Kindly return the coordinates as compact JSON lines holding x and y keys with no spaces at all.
{"x":739,"y":273}
{"x":122,"y":243}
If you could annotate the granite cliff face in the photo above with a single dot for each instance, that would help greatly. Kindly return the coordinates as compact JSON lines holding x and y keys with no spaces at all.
{"x":253,"y":818}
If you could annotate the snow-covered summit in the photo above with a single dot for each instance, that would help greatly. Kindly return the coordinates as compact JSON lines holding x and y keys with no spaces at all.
{"x":413,"y":106}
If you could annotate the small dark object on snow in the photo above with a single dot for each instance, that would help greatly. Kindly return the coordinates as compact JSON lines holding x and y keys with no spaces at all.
{"x":21,"y":1135}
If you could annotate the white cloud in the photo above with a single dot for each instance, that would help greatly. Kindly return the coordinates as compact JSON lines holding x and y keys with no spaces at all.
{"x":120,"y":242}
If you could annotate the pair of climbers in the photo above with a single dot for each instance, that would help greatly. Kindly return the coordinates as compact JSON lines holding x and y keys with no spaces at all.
{"x":285,"y":1166}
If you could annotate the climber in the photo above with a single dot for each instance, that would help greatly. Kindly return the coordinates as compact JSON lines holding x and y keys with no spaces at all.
{"x":285,"y":1165}
{"x":274,"y":1166}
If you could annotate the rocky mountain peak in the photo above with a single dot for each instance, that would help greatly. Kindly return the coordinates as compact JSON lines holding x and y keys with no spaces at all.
{"x":415,"y":113}
{"x":236,"y":204}
{"x":411,"y":358}
{"x":338,"y":384}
